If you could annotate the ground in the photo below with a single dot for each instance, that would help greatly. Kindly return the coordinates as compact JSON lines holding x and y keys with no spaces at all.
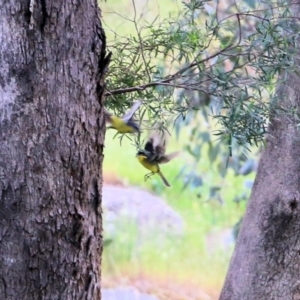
{"x":123,"y":205}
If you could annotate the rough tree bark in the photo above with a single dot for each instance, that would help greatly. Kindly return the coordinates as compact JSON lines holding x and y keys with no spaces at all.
{"x":51,"y":141}
{"x":266,"y":261}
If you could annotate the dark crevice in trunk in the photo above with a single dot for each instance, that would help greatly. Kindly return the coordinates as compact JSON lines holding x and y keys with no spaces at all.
{"x":27,"y":13}
{"x":44,"y":15}
{"x":96,"y":195}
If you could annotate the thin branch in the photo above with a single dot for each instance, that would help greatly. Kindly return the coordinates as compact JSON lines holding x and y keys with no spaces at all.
{"x":251,"y":13}
{"x":140,"y":41}
{"x":169,"y":78}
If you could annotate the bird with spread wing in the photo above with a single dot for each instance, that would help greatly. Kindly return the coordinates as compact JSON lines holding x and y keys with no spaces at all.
{"x":124,"y":124}
{"x":153,"y":155}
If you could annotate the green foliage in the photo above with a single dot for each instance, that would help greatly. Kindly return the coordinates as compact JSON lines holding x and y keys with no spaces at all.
{"x":196,"y":60}
{"x":204,"y":62}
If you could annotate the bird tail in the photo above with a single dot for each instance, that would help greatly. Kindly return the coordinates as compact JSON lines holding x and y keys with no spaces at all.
{"x":165,"y":181}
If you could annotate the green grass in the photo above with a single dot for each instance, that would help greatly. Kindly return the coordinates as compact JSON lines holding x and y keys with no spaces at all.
{"x":186,"y":258}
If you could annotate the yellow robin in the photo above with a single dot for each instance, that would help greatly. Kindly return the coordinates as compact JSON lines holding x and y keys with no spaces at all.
{"x":153,"y":154}
{"x":124,"y":124}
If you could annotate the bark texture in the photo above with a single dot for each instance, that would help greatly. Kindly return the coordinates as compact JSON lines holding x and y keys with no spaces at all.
{"x":266,"y":261}
{"x":51,"y":141}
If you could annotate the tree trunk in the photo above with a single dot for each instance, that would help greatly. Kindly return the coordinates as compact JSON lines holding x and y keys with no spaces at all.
{"x":266,"y":261}
{"x":51,"y":141}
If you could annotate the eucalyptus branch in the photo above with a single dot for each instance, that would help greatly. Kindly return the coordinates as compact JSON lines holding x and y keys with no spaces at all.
{"x":204,"y":76}
{"x":140,"y":41}
{"x":168,"y":78}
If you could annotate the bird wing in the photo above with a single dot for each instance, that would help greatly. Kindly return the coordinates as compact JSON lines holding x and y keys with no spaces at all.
{"x":159,"y":142}
{"x":166,"y":158}
{"x":149,"y":146}
{"x":131,"y":111}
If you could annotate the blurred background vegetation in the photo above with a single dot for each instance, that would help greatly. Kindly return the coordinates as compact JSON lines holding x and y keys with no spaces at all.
{"x":207,"y":71}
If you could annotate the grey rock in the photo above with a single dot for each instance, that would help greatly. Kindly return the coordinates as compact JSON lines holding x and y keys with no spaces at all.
{"x":125,"y":293}
{"x":139,"y":210}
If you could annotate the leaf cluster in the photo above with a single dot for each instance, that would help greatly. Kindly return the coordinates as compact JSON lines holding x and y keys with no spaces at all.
{"x":207,"y":64}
